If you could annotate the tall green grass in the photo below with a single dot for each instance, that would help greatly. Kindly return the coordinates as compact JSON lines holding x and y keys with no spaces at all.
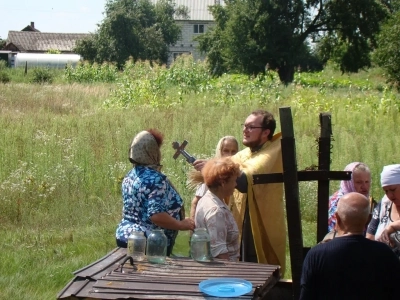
{"x":64,"y":149}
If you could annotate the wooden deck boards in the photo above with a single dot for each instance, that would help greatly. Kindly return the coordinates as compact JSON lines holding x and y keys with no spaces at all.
{"x":178,"y":278}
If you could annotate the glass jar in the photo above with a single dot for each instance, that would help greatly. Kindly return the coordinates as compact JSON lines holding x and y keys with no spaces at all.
{"x":156,"y":250}
{"x":136,"y":245}
{"x":395,"y":238}
{"x":200,"y":245}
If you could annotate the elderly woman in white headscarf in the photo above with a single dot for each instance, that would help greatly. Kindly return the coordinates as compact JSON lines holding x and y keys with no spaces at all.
{"x":388,"y":210}
{"x":149,"y":199}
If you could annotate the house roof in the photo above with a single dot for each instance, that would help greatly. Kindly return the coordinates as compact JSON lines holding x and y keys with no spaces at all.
{"x":30,"y":28}
{"x":198,"y":9}
{"x":43,"y":41}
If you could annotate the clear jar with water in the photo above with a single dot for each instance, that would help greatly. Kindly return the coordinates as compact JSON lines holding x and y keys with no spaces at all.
{"x":200,"y":245}
{"x":136,"y":245}
{"x":395,"y":238}
{"x":156,"y":250}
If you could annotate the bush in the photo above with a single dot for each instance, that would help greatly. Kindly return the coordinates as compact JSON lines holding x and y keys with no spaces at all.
{"x":42,"y":75}
{"x":89,"y":73}
{"x":4,"y":78}
{"x":3,"y":65}
{"x":53,"y":51}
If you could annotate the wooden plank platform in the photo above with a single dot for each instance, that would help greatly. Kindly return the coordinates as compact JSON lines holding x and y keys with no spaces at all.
{"x":178,"y":278}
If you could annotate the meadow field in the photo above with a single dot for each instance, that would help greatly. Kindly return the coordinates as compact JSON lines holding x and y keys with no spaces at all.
{"x":64,"y":148}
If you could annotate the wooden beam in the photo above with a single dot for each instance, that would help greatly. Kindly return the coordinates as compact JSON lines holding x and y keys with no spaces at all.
{"x":291,"y":186}
{"x":324,"y":161}
{"x":303,"y":176}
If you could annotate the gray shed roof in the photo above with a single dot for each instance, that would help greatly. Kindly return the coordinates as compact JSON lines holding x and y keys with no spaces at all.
{"x":43,"y":41}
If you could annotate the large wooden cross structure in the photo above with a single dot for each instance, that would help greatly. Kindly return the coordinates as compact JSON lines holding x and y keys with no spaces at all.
{"x":291,"y":177}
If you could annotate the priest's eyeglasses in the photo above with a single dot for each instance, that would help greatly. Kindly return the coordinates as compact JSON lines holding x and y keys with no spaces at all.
{"x":250,"y":127}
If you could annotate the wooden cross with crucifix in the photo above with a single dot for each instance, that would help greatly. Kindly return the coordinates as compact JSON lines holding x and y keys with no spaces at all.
{"x":291,"y":177}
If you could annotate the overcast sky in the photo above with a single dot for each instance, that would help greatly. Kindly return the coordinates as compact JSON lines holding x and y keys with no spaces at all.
{"x":71,"y":16}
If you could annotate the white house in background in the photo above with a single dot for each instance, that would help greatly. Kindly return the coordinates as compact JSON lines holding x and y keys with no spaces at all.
{"x":200,"y":20}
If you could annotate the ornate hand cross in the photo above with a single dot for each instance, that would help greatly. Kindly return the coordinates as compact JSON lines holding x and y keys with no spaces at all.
{"x":180,"y":149}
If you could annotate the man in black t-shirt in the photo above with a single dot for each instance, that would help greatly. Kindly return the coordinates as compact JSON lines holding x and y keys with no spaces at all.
{"x":351,"y":266}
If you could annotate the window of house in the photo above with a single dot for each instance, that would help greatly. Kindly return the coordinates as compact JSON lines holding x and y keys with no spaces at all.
{"x":198,"y":28}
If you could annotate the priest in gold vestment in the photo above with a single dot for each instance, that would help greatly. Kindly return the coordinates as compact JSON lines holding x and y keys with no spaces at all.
{"x":265,"y":220}
{"x":259,"y":209}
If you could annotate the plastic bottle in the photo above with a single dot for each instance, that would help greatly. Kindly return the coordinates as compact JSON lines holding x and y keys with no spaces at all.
{"x":137,"y":245}
{"x":156,"y":250}
{"x":200,"y":245}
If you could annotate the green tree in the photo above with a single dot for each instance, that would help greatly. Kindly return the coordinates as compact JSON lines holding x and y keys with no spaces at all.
{"x":252,"y":34}
{"x":135,"y":29}
{"x":2,"y":43}
{"x":387,"y":55}
{"x":53,"y":51}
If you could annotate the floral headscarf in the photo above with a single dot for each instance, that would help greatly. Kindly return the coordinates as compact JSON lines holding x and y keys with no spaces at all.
{"x":346,"y":186}
{"x":144,"y":150}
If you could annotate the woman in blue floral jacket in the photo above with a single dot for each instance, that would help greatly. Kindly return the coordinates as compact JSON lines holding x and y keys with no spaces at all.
{"x":149,"y":199}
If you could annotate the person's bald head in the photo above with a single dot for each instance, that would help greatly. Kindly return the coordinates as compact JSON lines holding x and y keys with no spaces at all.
{"x":353,"y":211}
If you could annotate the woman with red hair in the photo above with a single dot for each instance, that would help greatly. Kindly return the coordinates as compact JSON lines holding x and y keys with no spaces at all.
{"x":212,"y":213}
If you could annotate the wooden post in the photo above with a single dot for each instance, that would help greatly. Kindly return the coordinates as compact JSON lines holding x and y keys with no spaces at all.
{"x":290,"y":178}
{"x":292,"y":198}
{"x":324,"y":161}
{"x":26,"y":68}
